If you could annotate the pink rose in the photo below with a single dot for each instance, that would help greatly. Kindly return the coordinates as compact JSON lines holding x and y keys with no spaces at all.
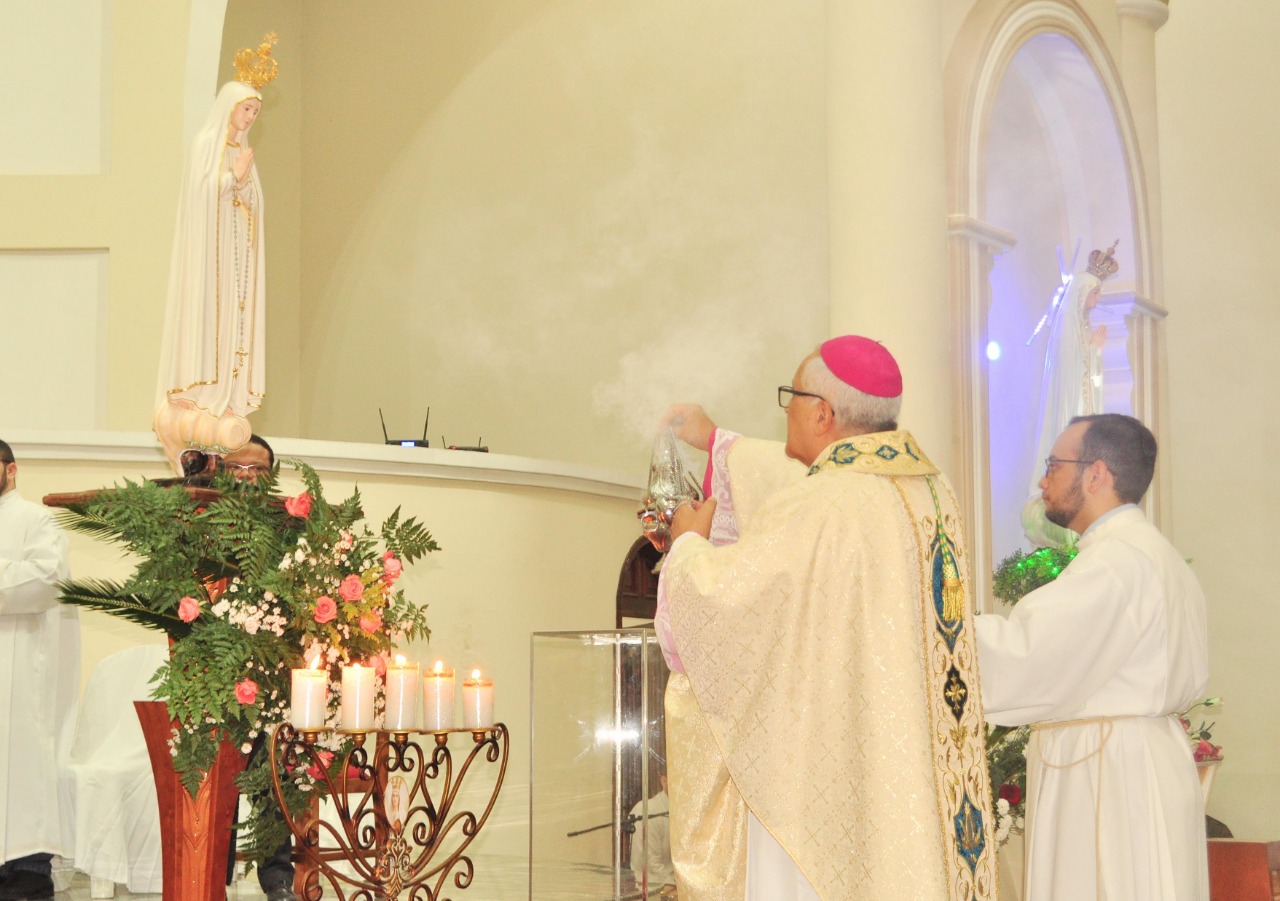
{"x":326,"y":609}
{"x":379,"y":664}
{"x":188,"y":609}
{"x":391,"y":568}
{"x":246,"y":691}
{"x":371,"y":622}
{"x":316,"y":770}
{"x":1204,"y":750}
{"x":351,"y":589}
{"x":299,"y":506}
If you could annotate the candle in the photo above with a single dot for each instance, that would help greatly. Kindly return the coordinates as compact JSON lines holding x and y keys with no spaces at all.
{"x":403,"y":704}
{"x":357,"y":697}
{"x":309,"y":698}
{"x":438,"y":687}
{"x":477,"y":701}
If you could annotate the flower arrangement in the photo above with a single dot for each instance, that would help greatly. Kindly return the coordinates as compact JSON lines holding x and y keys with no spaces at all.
{"x":1007,"y":767}
{"x":1202,"y":749}
{"x":249,"y":584}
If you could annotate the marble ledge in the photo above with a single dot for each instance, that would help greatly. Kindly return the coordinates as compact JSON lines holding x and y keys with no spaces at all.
{"x":347,"y":457}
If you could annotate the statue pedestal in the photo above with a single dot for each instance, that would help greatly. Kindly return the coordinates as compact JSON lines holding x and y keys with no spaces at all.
{"x":195,"y":834}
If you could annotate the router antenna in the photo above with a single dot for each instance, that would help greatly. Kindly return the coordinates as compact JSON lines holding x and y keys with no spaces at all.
{"x":424,"y":425}
{"x":385,"y":439}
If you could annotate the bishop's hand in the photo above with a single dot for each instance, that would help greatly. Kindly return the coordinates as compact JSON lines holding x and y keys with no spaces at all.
{"x":694,"y":517}
{"x":690,"y":423}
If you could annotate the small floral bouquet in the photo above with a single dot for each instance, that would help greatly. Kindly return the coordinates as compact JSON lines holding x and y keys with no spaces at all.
{"x":249,"y":584}
{"x":1202,"y":749}
{"x":1007,"y":767}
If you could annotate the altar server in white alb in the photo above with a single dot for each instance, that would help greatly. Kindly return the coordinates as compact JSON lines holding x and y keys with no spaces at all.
{"x":1099,"y":662}
{"x":823,"y":725}
{"x":39,"y":679}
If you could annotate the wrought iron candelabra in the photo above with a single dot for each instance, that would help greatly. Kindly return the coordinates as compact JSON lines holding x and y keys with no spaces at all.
{"x":397,"y":826}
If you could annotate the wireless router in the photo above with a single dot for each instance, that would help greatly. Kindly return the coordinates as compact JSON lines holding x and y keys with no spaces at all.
{"x":406,"y":442}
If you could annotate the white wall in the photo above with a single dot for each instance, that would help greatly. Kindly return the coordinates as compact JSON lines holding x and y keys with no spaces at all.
{"x":1219,"y":89}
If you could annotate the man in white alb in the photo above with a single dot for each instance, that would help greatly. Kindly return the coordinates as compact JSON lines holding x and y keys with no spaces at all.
{"x":39,"y":682}
{"x":1100,"y":661}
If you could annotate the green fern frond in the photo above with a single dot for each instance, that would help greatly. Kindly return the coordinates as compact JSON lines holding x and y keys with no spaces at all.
{"x":114,"y":598}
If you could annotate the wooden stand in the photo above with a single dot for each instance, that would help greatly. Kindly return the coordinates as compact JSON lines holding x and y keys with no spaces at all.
{"x":1243,"y":871}
{"x":195,"y":834}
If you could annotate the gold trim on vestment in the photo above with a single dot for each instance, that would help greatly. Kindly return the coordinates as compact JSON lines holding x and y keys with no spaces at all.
{"x":880,"y":453}
{"x":955,"y":707}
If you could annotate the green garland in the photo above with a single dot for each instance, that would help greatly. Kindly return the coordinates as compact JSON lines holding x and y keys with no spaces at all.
{"x":1021,"y":573}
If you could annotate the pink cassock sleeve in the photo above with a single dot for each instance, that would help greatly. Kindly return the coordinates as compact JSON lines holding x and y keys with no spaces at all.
{"x":724,"y":530}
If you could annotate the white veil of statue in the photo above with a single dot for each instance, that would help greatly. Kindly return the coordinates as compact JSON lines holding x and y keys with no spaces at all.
{"x":1072,"y":384}
{"x":212,"y":359}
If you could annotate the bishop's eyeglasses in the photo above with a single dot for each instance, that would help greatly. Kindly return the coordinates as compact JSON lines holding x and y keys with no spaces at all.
{"x":786,"y":393}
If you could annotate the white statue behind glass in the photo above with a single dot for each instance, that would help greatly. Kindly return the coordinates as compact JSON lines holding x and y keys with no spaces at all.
{"x":1072,"y":384}
{"x":212,"y":360}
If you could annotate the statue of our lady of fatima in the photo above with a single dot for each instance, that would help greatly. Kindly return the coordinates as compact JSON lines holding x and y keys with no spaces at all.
{"x":212,"y":360}
{"x":1072,"y":383}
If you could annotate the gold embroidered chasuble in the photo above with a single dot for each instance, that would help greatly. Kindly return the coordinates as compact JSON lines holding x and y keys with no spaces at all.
{"x":831,"y":671}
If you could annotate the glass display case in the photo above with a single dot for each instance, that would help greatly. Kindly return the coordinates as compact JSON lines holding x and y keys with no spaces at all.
{"x":598,"y":809}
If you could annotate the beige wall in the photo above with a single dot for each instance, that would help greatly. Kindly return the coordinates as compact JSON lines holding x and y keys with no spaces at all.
{"x":1219,"y":88}
{"x":546,"y":219}
{"x":129,"y":208}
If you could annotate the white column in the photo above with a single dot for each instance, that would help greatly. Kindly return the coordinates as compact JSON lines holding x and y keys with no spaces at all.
{"x":1139,"y":22}
{"x":974,"y":246}
{"x":887,"y":198}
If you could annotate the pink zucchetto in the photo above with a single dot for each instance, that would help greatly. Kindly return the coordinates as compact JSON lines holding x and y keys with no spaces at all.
{"x":863,"y":364}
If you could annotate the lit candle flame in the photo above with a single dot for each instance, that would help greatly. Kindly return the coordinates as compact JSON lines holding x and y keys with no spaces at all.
{"x":475,"y":674}
{"x":315,"y":662}
{"x":399,"y":659}
{"x":439,"y":666}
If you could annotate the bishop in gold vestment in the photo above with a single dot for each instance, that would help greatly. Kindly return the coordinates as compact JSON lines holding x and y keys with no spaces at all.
{"x":825,"y":689}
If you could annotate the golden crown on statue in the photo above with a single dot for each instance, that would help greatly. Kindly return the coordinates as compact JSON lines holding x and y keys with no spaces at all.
{"x":1103,"y":264}
{"x":255,"y":67}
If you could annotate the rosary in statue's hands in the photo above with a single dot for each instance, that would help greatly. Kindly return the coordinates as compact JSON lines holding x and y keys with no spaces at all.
{"x":694,"y":517}
{"x":242,"y":165}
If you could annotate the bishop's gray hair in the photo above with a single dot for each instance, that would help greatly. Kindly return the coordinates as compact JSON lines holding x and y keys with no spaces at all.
{"x":856,"y":412}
